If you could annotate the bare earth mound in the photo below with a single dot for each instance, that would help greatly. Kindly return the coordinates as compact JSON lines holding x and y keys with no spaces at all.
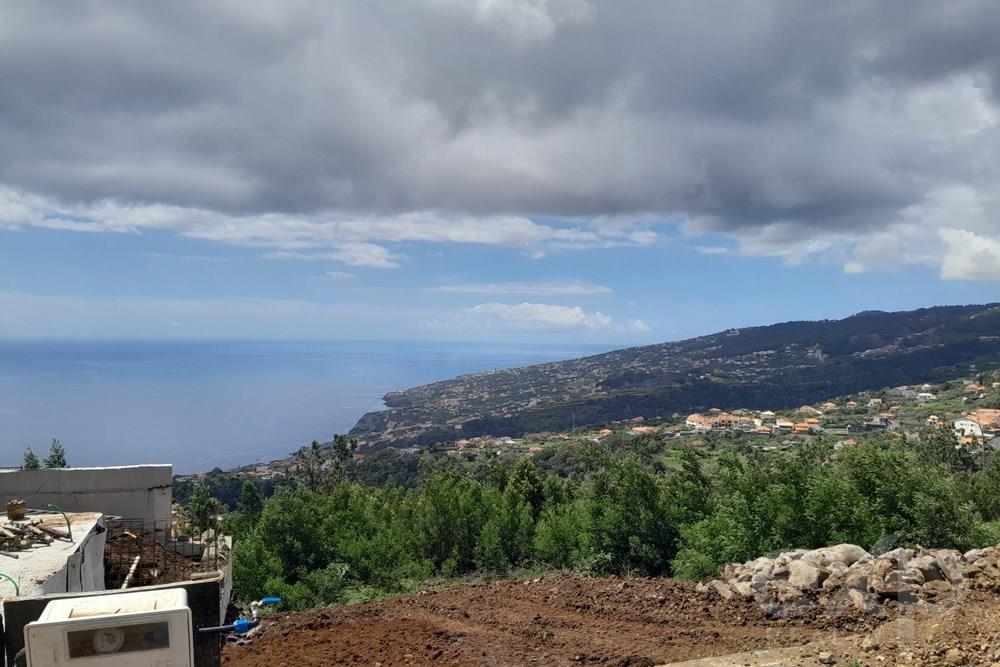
{"x":556,"y":620}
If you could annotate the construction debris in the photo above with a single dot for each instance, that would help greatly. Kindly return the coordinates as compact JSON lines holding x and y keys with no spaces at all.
{"x":25,"y":533}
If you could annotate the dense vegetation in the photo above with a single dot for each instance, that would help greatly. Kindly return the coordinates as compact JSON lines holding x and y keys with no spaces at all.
{"x":325,"y":537}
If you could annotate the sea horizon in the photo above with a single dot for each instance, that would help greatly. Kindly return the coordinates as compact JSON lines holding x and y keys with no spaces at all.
{"x":205,"y":403}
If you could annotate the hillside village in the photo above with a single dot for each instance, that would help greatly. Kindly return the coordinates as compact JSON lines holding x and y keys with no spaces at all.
{"x":970,"y":408}
{"x":763,"y":368}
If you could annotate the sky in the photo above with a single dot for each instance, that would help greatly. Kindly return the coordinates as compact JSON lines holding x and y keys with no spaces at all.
{"x":606,"y":171}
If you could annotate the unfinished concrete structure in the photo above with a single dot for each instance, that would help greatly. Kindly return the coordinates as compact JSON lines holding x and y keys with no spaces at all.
{"x":140,"y":492}
{"x":121,"y":539}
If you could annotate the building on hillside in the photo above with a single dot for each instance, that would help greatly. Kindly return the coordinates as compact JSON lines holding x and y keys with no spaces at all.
{"x":967,"y":428}
{"x":933,"y":420}
{"x":829,"y":406}
{"x":784,"y":425}
{"x":988,"y":418}
{"x":926,"y":397}
{"x":767,"y":415}
{"x":851,"y":404}
{"x":808,"y":410}
{"x":874,"y":402}
{"x":697,"y":421}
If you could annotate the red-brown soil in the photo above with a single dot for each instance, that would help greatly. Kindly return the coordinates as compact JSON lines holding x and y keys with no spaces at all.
{"x":556,"y":620}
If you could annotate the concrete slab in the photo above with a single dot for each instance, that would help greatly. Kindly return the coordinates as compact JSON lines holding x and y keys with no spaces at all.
{"x":62,"y":565}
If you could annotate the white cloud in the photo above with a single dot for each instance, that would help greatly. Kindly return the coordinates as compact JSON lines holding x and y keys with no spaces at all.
{"x":571,"y":287}
{"x":711,"y":250}
{"x":639,"y":326}
{"x":969,"y":256}
{"x":538,"y":316}
{"x":523,"y":23}
{"x":355,"y":241}
{"x":367,"y":255}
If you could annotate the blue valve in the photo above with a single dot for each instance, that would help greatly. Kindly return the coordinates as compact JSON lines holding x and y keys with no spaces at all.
{"x":241,"y":626}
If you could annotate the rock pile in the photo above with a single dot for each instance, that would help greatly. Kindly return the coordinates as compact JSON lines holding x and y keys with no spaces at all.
{"x":849,"y":578}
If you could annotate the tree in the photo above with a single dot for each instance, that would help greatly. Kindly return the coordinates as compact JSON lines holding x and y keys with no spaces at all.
{"x":201,"y":508}
{"x":322,"y":467}
{"x":250,"y":503}
{"x":57,"y":455}
{"x":30,"y":460}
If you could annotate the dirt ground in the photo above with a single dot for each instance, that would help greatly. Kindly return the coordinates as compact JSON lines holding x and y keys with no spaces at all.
{"x":556,"y":620}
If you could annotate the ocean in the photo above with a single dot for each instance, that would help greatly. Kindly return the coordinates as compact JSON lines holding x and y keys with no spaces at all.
{"x":201,"y":405}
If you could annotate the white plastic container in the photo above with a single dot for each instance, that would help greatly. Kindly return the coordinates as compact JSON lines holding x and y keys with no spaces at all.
{"x":137,"y":629}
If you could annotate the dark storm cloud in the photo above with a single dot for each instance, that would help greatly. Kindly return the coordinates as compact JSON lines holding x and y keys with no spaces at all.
{"x":738,"y":115}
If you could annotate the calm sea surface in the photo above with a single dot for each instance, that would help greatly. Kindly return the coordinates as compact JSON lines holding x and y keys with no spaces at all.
{"x":199,"y":405}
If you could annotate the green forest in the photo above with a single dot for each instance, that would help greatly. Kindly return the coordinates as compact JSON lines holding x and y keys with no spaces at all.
{"x":326,"y":537}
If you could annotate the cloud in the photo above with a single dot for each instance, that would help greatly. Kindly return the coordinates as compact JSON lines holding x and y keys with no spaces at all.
{"x":571,"y":287}
{"x":338,"y":276}
{"x":969,"y":256}
{"x":523,"y":124}
{"x":353,"y":240}
{"x":639,"y":326}
{"x":367,"y":255}
{"x":523,"y":23}
{"x":538,"y":316}
{"x":711,"y":250}
{"x":500,"y":318}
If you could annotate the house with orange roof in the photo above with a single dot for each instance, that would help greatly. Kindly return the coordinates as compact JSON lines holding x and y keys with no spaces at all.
{"x":697,"y":421}
{"x":985,"y":416}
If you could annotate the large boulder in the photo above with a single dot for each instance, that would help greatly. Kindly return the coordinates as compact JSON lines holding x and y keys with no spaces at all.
{"x":928,"y":566}
{"x":848,"y":554}
{"x":900,"y":555}
{"x":949,"y":562}
{"x":805,"y":575}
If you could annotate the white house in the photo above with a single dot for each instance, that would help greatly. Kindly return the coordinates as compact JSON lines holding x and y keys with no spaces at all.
{"x":925,"y":397}
{"x":966,"y":427}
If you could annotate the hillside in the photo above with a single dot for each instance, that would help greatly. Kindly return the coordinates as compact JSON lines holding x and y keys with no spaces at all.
{"x":777,"y":366}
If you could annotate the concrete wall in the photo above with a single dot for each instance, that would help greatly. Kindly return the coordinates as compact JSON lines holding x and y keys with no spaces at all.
{"x":83,"y":570}
{"x":133,"y":492}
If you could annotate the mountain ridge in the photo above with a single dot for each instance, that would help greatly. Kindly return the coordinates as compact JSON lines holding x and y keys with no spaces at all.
{"x":777,"y":365}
